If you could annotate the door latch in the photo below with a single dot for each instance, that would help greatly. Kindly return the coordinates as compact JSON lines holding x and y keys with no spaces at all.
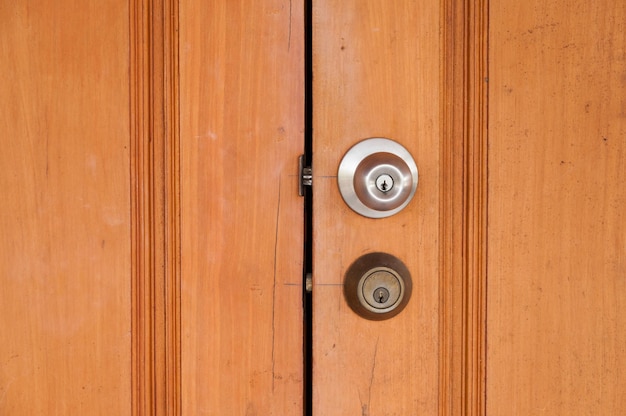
{"x":305,"y":175}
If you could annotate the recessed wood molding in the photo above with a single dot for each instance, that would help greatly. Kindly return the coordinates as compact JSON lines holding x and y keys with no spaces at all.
{"x":155,"y":207}
{"x":463,"y":207}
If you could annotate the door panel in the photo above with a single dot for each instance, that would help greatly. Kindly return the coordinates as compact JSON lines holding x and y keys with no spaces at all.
{"x":557,"y":245}
{"x":65,"y":262}
{"x":242,"y":125}
{"x":375,"y":74}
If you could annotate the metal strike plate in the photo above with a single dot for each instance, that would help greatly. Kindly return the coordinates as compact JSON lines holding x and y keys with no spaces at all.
{"x":377,"y":286}
{"x":377,"y":177}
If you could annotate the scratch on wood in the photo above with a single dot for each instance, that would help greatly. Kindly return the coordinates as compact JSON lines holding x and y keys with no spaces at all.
{"x":274,"y":285}
{"x":289,"y":38}
{"x":47,"y":156}
{"x":365,"y":407}
{"x":369,"y":393}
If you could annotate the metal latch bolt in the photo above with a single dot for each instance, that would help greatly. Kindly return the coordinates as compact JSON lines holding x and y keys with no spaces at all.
{"x":305,"y":175}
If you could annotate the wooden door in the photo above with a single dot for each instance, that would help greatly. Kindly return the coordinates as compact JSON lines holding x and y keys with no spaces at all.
{"x":65,"y":245}
{"x":152,"y":232}
{"x":557,"y":201}
{"x":152,"y":248}
{"x":527,"y":314}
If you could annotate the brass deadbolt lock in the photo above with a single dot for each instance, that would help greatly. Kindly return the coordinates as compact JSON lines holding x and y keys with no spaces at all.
{"x":377,"y":286}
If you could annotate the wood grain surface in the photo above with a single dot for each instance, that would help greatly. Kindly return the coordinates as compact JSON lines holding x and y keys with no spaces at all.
{"x":242,"y":130}
{"x":557,"y":226}
{"x":65,"y":266}
{"x":376,"y":73}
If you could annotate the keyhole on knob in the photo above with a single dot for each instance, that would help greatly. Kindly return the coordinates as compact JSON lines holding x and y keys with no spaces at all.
{"x":381,"y":295}
{"x":384,"y":183}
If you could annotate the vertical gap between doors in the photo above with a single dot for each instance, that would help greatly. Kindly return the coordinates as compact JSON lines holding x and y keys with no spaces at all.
{"x":308,"y":210}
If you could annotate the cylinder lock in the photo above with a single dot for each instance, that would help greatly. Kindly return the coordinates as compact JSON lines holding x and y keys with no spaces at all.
{"x":377,"y":286}
{"x":377,"y":177}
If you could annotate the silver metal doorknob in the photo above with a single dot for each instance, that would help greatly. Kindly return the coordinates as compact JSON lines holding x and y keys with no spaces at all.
{"x":377,"y":177}
{"x":377,"y":286}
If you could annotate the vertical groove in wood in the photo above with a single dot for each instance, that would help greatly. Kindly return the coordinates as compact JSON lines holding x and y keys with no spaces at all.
{"x":475,"y":241}
{"x":463,"y":204}
{"x":155,"y":207}
{"x":173,"y":329}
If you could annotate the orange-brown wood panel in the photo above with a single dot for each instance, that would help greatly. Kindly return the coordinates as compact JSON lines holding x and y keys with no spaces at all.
{"x":557,"y":202}
{"x":242,"y":122}
{"x":376,"y":73}
{"x":65,"y":217}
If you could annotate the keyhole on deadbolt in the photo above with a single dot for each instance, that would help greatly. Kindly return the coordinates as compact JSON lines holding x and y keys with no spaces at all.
{"x":381,"y":295}
{"x":384,"y":183}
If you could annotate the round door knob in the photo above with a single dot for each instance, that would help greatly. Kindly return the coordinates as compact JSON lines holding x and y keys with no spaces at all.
{"x":377,"y":286}
{"x":377,"y":177}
